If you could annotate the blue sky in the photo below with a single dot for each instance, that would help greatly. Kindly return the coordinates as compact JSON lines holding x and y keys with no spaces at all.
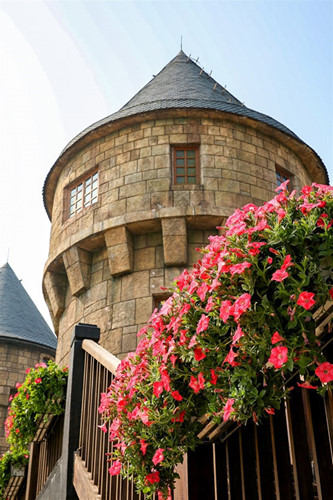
{"x":67,"y":64}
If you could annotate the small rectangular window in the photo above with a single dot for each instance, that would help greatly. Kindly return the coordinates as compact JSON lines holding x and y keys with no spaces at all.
{"x":185,"y":165}
{"x":282,"y":175}
{"x":83,"y":194}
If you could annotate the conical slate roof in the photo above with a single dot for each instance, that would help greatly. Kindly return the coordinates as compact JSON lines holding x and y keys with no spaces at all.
{"x":183,"y":84}
{"x":19,"y":317}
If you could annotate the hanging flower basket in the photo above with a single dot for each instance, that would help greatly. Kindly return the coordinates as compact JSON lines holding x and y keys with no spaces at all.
{"x":221,"y":348}
{"x":38,"y":399}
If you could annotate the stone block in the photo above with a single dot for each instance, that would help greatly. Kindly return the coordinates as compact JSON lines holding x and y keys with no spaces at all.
{"x":155,"y":285}
{"x":114,"y":290}
{"x":123,"y":314}
{"x":143,"y":309}
{"x":144,"y":152}
{"x":162,"y":162}
{"x":129,"y":179}
{"x":129,"y":342}
{"x":111,"y":340}
{"x":158,"y":185}
{"x":138,"y":203}
{"x":161,"y":200}
{"x":132,"y":189}
{"x":135,"y":154}
{"x":123,"y":158}
{"x":128,"y":168}
{"x":78,"y":269}
{"x":119,"y":242}
{"x":159,"y":257}
{"x":154,"y":239}
{"x":55,"y":285}
{"x":171,"y":274}
{"x":146,"y":164}
{"x":144,"y":259}
{"x":150,"y":174}
{"x":135,"y":285}
{"x":175,"y":249}
{"x":174,"y":226}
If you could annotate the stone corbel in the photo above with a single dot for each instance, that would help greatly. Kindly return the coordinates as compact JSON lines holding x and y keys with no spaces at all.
{"x":55,"y":286}
{"x":174,"y":233}
{"x":119,"y":243}
{"x":77,"y":263}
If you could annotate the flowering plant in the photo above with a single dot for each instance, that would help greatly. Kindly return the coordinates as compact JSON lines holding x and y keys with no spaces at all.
{"x":9,"y":459}
{"x":224,"y":343}
{"x":42,"y":393}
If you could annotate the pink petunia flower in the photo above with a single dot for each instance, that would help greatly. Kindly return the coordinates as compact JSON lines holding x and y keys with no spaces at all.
{"x":276,"y":337}
{"x":176,"y":395}
{"x":279,"y":275}
{"x":225,"y":310}
{"x":242,"y":304}
{"x":228,"y":409}
{"x":279,"y":356}
{"x":153,"y":477}
{"x":307,"y":385}
{"x":143,"y":446}
{"x":198,"y":354}
{"x":305,"y":300}
{"x":158,"y":457}
{"x":325,"y":372}
{"x":202,"y":324}
{"x":197,"y":384}
{"x":115,"y":469}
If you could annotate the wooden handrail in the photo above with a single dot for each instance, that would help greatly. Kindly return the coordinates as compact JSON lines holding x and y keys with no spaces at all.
{"x":104,"y":357}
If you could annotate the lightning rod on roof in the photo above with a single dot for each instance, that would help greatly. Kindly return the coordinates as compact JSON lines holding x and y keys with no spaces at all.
{"x":181,"y":42}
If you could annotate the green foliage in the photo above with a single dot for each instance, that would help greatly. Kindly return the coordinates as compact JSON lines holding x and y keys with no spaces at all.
{"x":9,"y":459}
{"x":42,"y":393}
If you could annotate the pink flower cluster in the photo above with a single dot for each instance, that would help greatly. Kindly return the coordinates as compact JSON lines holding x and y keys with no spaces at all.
{"x":243,"y":309}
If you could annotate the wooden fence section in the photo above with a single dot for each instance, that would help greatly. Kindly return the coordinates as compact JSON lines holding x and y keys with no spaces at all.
{"x":91,"y":477}
{"x":287,"y":457}
{"x":45,"y":451}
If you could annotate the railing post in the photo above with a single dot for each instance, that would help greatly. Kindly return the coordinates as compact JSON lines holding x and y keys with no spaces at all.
{"x":73,"y":406}
{"x":32,"y":471}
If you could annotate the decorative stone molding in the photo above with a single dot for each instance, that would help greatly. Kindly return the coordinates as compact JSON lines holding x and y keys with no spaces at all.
{"x":174,"y":241}
{"x":78,"y":268}
{"x":119,"y":243}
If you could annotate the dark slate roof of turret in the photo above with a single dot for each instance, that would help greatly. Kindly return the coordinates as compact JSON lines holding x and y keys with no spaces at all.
{"x":183,"y":84}
{"x":19,"y":317}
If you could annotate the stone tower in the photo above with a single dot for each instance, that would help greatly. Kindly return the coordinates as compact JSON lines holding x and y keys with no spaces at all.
{"x":133,"y":195}
{"x":25,"y":339}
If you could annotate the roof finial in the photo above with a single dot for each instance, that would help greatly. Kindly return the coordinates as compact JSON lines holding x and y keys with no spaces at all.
{"x":181,"y":42}
{"x":8,"y":255}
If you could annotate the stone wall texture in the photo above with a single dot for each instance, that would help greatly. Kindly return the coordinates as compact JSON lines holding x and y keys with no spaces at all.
{"x":107,"y":264}
{"x":15,"y":357}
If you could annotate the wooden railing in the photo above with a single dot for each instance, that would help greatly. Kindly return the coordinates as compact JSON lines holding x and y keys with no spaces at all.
{"x":287,"y":457}
{"x":45,"y":451}
{"x":91,"y":477}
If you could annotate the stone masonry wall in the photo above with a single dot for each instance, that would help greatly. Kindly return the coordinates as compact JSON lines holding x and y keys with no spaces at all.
{"x":15,"y":358}
{"x":107,"y":263}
